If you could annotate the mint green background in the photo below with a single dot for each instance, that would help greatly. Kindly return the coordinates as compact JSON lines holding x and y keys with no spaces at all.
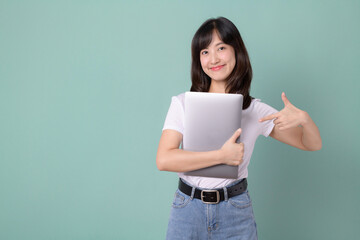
{"x":85,"y":87}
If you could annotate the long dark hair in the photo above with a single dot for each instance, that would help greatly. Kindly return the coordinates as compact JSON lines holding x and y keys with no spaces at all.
{"x":239,"y":80}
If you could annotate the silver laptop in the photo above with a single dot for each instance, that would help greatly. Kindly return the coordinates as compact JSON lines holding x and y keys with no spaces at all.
{"x":210,"y":120}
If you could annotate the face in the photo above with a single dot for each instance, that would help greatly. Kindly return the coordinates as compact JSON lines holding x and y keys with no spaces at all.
{"x":218,"y":59}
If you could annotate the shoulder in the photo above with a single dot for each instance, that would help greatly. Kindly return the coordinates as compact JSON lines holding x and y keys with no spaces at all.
{"x":180,"y":98}
{"x":261,"y":107}
{"x":259,"y":104}
{"x":253,"y":105}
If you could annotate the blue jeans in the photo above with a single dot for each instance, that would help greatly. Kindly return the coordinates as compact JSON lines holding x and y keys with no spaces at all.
{"x":233,"y":218}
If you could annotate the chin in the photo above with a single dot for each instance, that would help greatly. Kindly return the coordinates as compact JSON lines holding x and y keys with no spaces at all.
{"x":219,"y":79}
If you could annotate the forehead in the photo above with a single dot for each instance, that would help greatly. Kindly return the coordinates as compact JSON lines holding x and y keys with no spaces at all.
{"x":215,"y":39}
{"x":206,"y":38}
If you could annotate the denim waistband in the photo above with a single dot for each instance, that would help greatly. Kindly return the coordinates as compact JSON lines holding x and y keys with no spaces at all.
{"x":229,"y":185}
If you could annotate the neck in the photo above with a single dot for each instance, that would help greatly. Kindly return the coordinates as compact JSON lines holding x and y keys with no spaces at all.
{"x":217,"y":86}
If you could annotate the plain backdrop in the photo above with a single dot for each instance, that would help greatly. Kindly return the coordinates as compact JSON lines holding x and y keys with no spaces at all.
{"x":85,"y":87}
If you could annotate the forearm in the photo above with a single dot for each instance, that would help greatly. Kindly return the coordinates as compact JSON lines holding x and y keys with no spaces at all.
{"x":311,"y":135}
{"x":178,"y":160}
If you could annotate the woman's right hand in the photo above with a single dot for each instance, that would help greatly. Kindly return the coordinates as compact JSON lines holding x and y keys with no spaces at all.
{"x":232,"y":153}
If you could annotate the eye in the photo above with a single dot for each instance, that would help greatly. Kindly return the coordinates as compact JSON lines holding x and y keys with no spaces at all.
{"x":221,"y":48}
{"x":204,"y":52}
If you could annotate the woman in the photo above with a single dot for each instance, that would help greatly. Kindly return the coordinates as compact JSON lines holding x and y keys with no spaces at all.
{"x":220,"y":64}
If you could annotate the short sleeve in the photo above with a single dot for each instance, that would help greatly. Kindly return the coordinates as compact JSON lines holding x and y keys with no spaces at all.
{"x":175,"y":116}
{"x":263,"y":110}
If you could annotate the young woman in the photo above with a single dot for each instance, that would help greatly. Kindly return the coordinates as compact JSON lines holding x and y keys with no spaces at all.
{"x":214,"y":208}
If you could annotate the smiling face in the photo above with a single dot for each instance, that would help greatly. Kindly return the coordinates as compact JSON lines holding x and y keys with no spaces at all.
{"x":218,"y":59}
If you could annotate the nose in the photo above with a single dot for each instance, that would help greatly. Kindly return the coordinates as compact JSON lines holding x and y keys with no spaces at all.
{"x":214,"y":58}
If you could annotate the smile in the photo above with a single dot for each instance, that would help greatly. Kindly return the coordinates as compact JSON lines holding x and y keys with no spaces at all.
{"x":217,"y":68}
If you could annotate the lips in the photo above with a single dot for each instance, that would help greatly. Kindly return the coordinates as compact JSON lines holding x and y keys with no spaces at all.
{"x":217,"y":68}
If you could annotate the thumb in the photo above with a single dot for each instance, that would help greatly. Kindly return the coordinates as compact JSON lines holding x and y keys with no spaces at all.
{"x":285,"y":99}
{"x":235,"y":135}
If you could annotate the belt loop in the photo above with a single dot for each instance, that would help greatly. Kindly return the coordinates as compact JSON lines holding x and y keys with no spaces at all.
{"x":192,"y":193}
{"x":225,"y":194}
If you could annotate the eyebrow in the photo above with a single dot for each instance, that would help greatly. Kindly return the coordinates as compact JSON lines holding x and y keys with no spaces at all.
{"x":216,"y":44}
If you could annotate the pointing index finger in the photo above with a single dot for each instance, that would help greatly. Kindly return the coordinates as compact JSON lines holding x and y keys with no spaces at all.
{"x":268,"y":117}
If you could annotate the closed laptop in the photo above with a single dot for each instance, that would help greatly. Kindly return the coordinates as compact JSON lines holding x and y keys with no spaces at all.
{"x":210,"y":120}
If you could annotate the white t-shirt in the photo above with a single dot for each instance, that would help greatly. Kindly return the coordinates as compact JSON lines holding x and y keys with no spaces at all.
{"x":251,"y":129}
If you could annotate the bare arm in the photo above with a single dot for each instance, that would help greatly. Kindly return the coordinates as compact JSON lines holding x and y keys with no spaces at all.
{"x":171,"y":158}
{"x":295,"y":127}
{"x":311,"y":135}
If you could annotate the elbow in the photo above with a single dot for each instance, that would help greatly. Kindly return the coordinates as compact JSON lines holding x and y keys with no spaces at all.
{"x":160,"y":163}
{"x":320,"y":147}
{"x":164,"y":161}
{"x":316,"y":148}
{"x":160,"y":166}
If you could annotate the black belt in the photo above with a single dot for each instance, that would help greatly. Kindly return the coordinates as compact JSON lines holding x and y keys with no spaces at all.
{"x":216,"y":195}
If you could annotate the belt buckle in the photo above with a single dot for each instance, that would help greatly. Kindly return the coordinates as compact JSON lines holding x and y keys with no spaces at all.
{"x":210,"y":191}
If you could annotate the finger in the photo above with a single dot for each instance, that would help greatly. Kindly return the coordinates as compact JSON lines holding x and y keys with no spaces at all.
{"x":269,"y":117}
{"x":236,"y":135}
{"x":285,"y":99}
{"x":283,"y":128}
{"x":277,"y":121}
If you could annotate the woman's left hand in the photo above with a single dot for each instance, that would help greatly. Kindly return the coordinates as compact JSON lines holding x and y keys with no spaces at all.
{"x":290,"y":116}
